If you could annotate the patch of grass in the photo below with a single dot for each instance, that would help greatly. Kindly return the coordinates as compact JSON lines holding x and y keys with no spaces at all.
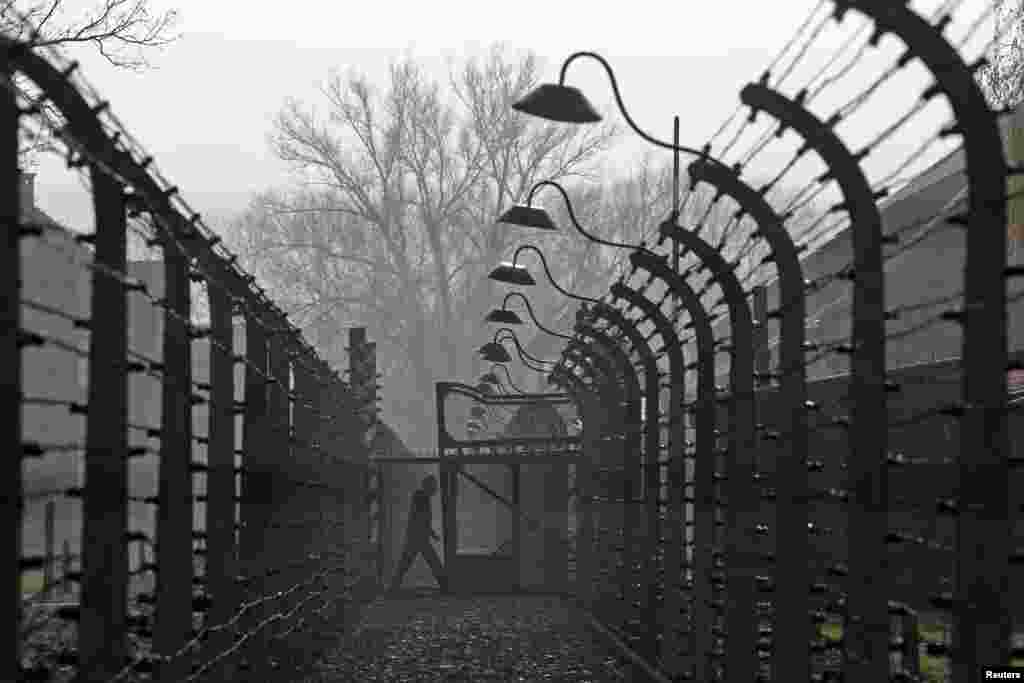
{"x":31,"y":583}
{"x":933,"y":669}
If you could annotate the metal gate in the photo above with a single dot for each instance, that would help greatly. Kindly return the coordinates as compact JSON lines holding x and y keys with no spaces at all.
{"x":507,"y":466}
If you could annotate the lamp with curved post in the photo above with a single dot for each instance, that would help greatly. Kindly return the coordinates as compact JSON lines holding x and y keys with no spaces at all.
{"x":527,"y":216}
{"x":535,"y":364}
{"x":504,"y":316}
{"x":515,"y":274}
{"x":494,"y":352}
{"x":567,"y":104}
{"x":741,"y":351}
{"x":485,"y":388}
{"x":492,"y":378}
{"x":559,"y":102}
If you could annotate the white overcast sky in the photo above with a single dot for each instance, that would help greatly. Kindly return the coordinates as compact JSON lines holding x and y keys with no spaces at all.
{"x":204,"y":113}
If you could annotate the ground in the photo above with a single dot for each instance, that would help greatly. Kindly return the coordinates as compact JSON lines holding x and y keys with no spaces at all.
{"x":420,"y":637}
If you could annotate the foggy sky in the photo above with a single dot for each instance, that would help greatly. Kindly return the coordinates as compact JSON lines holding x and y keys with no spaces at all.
{"x":205,"y":112}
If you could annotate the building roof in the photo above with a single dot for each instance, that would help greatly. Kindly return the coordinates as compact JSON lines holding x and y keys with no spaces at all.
{"x":941,"y":183}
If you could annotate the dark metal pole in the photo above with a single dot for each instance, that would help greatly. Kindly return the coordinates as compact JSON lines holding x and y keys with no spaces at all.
{"x":608,"y":406}
{"x":705,"y":420}
{"x":648,"y":461}
{"x":279,"y":460}
{"x":220,"y":483}
{"x":792,"y":475}
{"x":10,"y":369}
{"x":256,"y":481}
{"x":633,"y":445}
{"x":174,"y":515}
{"x":866,"y":634}
{"x":740,"y":462}
{"x":617,"y":392}
{"x":102,"y":637}
{"x":675,"y":448}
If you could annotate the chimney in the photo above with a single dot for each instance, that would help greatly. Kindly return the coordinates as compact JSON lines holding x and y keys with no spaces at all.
{"x":28,"y":190}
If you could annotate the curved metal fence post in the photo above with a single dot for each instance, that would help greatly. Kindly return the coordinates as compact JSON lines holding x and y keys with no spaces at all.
{"x":585,"y":400}
{"x":256,"y":481}
{"x":741,"y":459}
{"x":983,"y":620}
{"x":704,"y":420}
{"x":651,"y":426}
{"x":221,"y":492}
{"x":631,"y":447}
{"x":285,"y":486}
{"x":866,"y":631}
{"x":102,"y":637}
{"x":11,"y":368}
{"x":659,"y":628}
{"x":174,"y":515}
{"x":607,"y":404}
{"x":742,"y":660}
{"x":607,"y":358}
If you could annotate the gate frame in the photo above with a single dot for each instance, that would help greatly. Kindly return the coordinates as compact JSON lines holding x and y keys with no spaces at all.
{"x":450,"y":465}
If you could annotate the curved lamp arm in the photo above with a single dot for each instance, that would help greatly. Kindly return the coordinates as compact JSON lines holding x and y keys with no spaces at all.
{"x":575,"y":223}
{"x":622,"y":107}
{"x":547,"y":271}
{"x":529,"y":309}
{"x":508,"y":376}
{"x":523,"y":355}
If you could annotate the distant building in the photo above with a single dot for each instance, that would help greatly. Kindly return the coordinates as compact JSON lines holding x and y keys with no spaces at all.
{"x":926,"y":272}
{"x":54,"y":275}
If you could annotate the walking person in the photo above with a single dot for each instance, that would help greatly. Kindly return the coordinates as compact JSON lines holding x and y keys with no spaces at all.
{"x":418,"y":535}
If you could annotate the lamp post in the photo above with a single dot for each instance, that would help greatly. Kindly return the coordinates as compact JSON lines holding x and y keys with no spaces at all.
{"x":513,"y":273}
{"x":518,"y":275}
{"x":567,"y":104}
{"x":528,"y":216}
{"x":494,"y":351}
{"x":559,"y":102}
{"x":492,"y":378}
{"x":504,"y":316}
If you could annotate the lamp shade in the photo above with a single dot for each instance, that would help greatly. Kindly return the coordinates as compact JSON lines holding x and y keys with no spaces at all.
{"x":490,"y":378}
{"x":504,"y":317}
{"x":527,"y":217}
{"x":512,"y":275}
{"x":562,"y":103}
{"x":493,"y":352}
{"x":496,"y":357}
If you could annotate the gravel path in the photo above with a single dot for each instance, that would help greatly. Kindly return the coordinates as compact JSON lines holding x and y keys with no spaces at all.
{"x":507,"y":639}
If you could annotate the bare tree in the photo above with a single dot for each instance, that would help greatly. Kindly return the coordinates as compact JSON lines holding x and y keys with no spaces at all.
{"x":391,"y":224}
{"x":123,"y":32}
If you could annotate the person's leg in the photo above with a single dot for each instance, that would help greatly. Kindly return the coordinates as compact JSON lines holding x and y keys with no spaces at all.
{"x":408,"y":557}
{"x":434,"y":561}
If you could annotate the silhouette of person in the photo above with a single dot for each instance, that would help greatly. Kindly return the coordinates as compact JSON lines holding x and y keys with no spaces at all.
{"x":418,"y":535}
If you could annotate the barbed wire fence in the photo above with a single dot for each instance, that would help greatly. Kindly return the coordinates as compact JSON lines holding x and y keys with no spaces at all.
{"x":223,"y":495}
{"x":836,"y":498}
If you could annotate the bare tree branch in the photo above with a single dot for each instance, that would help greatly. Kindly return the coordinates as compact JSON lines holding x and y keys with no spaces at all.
{"x":124,"y":32}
